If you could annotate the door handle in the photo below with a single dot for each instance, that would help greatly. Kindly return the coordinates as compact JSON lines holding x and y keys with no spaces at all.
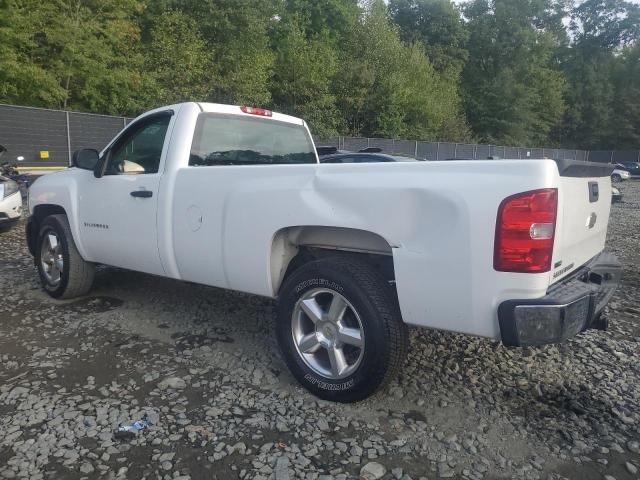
{"x":142,"y":193}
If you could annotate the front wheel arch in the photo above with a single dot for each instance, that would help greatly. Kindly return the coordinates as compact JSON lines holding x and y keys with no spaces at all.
{"x":40,"y":212}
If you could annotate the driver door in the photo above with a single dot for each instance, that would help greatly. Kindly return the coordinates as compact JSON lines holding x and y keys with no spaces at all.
{"x":118,"y":211}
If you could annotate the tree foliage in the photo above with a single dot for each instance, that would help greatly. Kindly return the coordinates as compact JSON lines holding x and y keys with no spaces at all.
{"x":71,"y":53}
{"x":535,"y":72}
{"x":388,"y":88}
{"x":303,"y":73}
{"x":604,"y":95}
{"x":437,"y":25}
{"x":179,"y":62}
{"x":513,"y":92}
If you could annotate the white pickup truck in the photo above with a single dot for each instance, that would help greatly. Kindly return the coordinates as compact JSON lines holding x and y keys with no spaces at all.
{"x":234,"y":197}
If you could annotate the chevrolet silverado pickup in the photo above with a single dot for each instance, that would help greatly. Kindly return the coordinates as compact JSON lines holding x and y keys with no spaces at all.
{"x":234,"y":197}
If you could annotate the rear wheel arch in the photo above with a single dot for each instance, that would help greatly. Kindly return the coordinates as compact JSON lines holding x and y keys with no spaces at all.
{"x":293,"y":247}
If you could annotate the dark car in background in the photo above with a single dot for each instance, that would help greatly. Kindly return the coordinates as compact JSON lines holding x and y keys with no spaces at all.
{"x":366,"y":155}
{"x":632,"y":167}
{"x":357,"y":157}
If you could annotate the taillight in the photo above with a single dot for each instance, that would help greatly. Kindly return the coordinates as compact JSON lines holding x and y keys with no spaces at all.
{"x":525,"y":230}
{"x":257,"y":111}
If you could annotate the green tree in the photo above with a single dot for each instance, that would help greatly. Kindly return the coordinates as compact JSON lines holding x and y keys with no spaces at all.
{"x":605,"y":24}
{"x":513,"y":88}
{"x":24,"y":76}
{"x":178,"y":60}
{"x":626,"y":114}
{"x":602,"y":98}
{"x":588,"y":120}
{"x":333,"y":18}
{"x":303,"y":74}
{"x":436,"y":24}
{"x":79,"y":54}
{"x":237,"y":33}
{"x":388,"y":88}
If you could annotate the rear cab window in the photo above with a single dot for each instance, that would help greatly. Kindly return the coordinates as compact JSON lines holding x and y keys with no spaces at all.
{"x":226,"y":139}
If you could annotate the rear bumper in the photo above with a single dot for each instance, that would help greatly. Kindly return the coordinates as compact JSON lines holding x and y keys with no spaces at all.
{"x":569,"y":307}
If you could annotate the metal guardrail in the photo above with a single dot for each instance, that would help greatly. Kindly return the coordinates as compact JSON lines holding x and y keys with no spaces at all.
{"x":47,"y":138}
{"x":449,"y":151}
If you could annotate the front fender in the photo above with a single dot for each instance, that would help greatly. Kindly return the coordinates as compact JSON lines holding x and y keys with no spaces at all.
{"x":50,"y":194}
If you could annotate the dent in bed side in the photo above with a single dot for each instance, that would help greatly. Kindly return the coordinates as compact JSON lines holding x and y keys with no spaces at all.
{"x":442,"y":237}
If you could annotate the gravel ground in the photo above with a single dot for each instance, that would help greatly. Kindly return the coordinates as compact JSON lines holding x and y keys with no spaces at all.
{"x":202,"y":365}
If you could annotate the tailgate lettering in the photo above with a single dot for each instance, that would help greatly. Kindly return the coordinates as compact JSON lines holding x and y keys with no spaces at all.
{"x":556,"y":274}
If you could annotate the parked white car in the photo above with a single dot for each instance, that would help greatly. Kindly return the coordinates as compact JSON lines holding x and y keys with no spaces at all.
{"x":618,"y":175}
{"x":235,"y":197}
{"x":10,"y":203}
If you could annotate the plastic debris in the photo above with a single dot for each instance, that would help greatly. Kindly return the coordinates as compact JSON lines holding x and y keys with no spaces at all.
{"x":130,"y":430}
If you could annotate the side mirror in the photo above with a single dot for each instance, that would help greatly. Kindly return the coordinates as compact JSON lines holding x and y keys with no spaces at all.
{"x":20,"y":158}
{"x":86,"y":159}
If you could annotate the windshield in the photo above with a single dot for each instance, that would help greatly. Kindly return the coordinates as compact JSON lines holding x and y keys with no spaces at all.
{"x":239,"y":140}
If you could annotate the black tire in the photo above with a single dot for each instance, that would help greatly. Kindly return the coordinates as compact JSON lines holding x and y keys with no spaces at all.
{"x":77,"y":274}
{"x":615,"y":178}
{"x":386,"y":336}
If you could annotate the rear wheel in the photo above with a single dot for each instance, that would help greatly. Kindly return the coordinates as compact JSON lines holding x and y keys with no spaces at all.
{"x":63,"y":272}
{"x":339,"y":329}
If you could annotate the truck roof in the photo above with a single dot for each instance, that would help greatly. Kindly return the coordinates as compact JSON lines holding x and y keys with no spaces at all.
{"x":237,"y":110}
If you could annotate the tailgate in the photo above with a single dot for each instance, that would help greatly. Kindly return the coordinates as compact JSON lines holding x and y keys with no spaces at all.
{"x":583,"y":215}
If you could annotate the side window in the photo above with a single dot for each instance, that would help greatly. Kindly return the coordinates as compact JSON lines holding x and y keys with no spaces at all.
{"x":138,"y":151}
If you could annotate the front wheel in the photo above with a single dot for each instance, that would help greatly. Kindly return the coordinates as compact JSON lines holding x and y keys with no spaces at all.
{"x":63,"y":272}
{"x":615,"y":178}
{"x":339,"y":329}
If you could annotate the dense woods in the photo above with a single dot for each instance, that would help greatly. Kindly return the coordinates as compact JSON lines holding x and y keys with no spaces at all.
{"x":514,"y":72}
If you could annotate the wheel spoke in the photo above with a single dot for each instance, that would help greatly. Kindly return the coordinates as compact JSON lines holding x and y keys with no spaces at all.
{"x":309,"y":343}
{"x":54,"y":272}
{"x":51,"y":260}
{"x":53,"y":241}
{"x":350,"y":336}
{"x":336,"y":309}
{"x":336,"y":330}
{"x":337,"y":360}
{"x":312,"y":309}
